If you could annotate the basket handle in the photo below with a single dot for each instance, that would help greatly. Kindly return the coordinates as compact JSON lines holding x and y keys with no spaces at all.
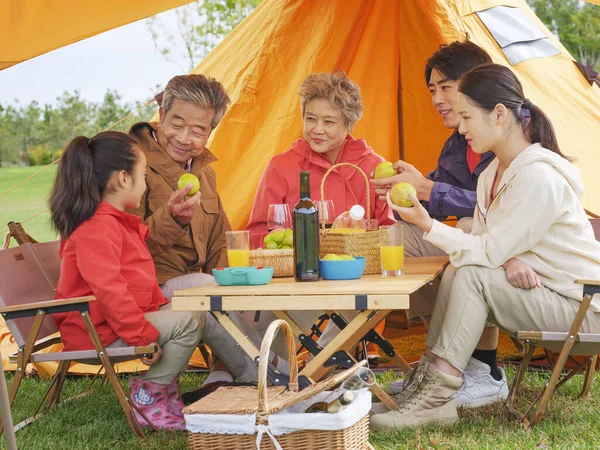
{"x":265,"y":348}
{"x":359,"y":170}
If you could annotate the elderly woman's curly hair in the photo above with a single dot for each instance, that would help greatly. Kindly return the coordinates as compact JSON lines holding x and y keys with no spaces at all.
{"x":338,"y":89}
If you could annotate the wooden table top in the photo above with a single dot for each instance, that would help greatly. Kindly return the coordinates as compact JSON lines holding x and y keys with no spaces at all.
{"x":417,"y":272}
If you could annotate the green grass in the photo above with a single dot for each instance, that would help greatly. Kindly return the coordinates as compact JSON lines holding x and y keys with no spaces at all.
{"x":27,"y":200}
{"x":97,"y":422}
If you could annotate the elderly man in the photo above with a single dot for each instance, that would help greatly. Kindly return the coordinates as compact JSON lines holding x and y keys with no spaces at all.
{"x":187,"y":234}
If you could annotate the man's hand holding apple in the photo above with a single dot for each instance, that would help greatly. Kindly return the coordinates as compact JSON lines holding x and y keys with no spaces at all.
{"x":406,"y":173}
{"x":183,"y":208}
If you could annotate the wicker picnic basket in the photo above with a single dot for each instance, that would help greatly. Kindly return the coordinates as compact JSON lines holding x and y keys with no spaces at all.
{"x":357,"y":244}
{"x":282,"y":261}
{"x":254,"y":405}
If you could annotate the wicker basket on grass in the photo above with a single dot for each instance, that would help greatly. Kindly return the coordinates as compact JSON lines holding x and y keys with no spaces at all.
{"x":356,"y":244}
{"x":241,"y":401}
{"x":282,"y":261}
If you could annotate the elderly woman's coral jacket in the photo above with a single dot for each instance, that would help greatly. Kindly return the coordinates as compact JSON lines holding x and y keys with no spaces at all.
{"x":280,"y":183}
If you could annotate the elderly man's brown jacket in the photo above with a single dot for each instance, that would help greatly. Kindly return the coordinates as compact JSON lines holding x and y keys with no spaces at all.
{"x":176,"y":250}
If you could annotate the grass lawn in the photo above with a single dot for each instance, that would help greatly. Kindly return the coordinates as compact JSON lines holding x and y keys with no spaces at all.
{"x":27,"y":200}
{"x":97,"y":422}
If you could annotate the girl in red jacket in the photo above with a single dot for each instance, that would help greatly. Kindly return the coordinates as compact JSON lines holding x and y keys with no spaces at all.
{"x":103,"y":254}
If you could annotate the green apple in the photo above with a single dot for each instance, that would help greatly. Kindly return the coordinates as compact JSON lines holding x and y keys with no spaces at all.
{"x":288,"y":240}
{"x":285,"y":247}
{"x":400,"y":194}
{"x":347,"y":257}
{"x":271,"y":245}
{"x":384,"y":170}
{"x":331,"y":257}
{"x":189,"y":178}
{"x":277,"y":236}
{"x":288,"y":232}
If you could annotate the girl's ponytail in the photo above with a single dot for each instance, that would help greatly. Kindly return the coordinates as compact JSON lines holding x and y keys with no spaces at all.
{"x":83,"y":174}
{"x":540,"y":129}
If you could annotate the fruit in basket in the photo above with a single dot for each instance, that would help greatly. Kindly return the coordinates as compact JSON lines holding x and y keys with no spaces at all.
{"x":331,"y":257}
{"x":400,"y":194}
{"x":279,"y":239}
{"x":384,"y":170}
{"x":189,"y":178}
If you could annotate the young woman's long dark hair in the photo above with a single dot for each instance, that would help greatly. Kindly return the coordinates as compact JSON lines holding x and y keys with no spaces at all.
{"x":83,"y":173}
{"x":488,"y":85}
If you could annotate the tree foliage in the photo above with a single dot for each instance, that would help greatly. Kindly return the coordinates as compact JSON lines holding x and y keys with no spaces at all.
{"x":200,"y":27}
{"x":32,"y":135}
{"x":576,"y":24}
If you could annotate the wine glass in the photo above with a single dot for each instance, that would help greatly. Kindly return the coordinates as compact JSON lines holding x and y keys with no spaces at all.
{"x":279,"y":217}
{"x":326,"y":212}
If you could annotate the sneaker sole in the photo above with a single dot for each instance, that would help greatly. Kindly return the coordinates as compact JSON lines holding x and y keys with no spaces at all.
{"x":482,"y":401}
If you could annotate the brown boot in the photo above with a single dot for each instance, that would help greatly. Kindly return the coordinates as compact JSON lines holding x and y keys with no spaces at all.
{"x":427,"y":399}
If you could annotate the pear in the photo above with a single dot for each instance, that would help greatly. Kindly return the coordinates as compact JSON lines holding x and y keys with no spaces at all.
{"x":400,"y":194}
{"x":384,"y":170}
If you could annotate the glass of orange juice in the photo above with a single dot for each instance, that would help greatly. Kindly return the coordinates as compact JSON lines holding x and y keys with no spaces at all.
{"x":392,"y":250}
{"x":238,"y":248}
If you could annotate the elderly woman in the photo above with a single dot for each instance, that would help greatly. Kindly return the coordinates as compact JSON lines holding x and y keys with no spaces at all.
{"x":331,"y":105}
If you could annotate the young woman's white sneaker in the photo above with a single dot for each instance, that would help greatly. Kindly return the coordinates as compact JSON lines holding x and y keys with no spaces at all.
{"x":479,"y":387}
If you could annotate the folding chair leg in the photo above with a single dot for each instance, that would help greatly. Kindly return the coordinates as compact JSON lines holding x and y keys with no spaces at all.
{"x":112,"y":376}
{"x":23,"y":359}
{"x":61,"y":374}
{"x":530,"y":349}
{"x":554,"y":377}
{"x":589,"y":376}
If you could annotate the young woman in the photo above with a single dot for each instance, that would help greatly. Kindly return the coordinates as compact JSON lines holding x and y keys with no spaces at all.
{"x":103,"y":254}
{"x":528,"y":212}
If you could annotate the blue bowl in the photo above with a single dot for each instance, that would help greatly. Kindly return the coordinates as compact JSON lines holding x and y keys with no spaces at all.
{"x":243,"y":276}
{"x":343,"y":270}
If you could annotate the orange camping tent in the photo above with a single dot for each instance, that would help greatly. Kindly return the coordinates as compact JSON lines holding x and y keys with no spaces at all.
{"x":382,"y":45}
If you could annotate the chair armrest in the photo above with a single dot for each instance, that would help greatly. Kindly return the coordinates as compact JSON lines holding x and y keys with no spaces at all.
{"x":589,"y":282}
{"x":47,"y":304}
{"x":13,"y":358}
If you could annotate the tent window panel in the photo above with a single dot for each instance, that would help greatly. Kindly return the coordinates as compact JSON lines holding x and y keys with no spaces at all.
{"x":522,"y":51}
{"x":519,"y":38}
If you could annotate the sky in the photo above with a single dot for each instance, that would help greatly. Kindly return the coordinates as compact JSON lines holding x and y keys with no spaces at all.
{"x":123,"y":59}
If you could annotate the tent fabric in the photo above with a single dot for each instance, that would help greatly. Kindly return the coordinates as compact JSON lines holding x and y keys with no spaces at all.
{"x":381,"y":46}
{"x":29,"y":28}
{"x":595,"y":2}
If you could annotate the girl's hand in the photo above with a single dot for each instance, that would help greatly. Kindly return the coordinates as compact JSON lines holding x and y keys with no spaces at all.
{"x":520,"y":275}
{"x":415,"y":214}
{"x":155,"y":356}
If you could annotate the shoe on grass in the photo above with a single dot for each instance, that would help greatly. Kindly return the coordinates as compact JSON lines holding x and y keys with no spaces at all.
{"x":427,"y":400}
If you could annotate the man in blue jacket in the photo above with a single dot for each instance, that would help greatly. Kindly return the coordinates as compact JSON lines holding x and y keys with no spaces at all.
{"x":450,"y":191}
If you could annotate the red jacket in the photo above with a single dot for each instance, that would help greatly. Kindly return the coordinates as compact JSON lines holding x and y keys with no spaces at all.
{"x":280,"y":183}
{"x":106,"y":256}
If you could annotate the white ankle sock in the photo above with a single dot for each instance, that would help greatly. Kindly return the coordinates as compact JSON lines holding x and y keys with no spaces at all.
{"x":218,"y":375}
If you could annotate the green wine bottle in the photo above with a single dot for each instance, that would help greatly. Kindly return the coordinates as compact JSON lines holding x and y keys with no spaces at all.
{"x":306,"y":233}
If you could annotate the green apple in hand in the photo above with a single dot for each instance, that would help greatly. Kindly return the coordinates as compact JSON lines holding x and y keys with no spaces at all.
{"x":189,"y":178}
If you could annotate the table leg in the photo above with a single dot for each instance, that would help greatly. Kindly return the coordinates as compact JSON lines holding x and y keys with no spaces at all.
{"x":244,"y":341}
{"x":346,"y":340}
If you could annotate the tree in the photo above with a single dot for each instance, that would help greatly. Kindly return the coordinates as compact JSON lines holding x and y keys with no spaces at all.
{"x":201,"y":26}
{"x":577,"y":26}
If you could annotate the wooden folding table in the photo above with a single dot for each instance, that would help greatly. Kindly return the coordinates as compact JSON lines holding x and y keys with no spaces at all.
{"x":373,"y":295}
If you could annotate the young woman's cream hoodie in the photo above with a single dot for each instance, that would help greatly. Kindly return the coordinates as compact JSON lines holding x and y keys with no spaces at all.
{"x":536,"y":216}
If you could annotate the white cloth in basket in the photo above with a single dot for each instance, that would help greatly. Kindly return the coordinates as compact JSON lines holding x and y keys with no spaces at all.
{"x":286,"y":421}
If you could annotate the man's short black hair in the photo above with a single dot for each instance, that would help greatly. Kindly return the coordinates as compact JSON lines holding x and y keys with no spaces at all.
{"x":455,"y":59}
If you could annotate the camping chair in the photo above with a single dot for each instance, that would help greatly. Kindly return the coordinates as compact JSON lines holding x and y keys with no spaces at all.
{"x":27,"y":286}
{"x":572,"y":341}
